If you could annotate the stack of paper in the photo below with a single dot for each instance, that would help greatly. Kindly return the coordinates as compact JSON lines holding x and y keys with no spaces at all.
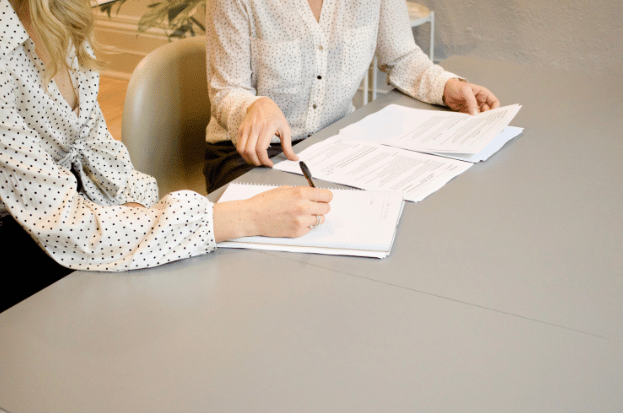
{"x":359,"y":224}
{"x":450,"y":134}
{"x":413,"y":151}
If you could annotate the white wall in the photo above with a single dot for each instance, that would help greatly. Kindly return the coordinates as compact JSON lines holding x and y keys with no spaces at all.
{"x":571,"y":34}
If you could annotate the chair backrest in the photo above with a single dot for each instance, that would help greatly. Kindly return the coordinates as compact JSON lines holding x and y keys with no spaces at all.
{"x":165,"y":115}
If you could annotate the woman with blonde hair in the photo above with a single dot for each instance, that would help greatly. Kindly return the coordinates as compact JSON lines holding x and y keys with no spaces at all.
{"x":70,"y":198}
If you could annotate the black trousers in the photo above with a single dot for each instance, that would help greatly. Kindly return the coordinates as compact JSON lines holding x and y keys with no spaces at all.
{"x":32,"y":269}
{"x":223,"y":163}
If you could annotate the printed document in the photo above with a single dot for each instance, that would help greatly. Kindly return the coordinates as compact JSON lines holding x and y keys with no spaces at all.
{"x":375,"y":167}
{"x":438,"y":132}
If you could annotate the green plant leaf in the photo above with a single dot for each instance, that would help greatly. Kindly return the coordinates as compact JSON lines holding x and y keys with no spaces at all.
{"x":174,"y":17}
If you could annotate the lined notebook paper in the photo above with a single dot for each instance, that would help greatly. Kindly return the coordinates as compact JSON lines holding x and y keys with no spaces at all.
{"x":360,"y":223}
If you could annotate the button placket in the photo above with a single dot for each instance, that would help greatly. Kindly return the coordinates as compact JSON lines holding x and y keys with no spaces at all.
{"x":316,"y":97}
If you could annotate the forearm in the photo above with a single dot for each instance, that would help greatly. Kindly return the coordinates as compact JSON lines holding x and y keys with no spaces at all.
{"x":123,"y":238}
{"x":229,"y":63}
{"x":82,"y":235}
{"x":232,"y":220}
{"x":416,"y":76}
{"x":279,"y":212}
{"x":409,"y":69}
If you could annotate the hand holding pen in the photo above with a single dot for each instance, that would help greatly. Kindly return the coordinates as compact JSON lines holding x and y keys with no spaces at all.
{"x":285,"y":211}
{"x":308,"y":176}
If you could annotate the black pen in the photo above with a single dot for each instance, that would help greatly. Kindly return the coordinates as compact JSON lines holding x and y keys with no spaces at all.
{"x":307,"y":174}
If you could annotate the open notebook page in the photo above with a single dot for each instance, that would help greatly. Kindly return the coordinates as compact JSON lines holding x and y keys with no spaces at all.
{"x":359,"y":223}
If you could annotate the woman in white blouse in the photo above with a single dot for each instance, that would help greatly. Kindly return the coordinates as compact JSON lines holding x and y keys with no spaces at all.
{"x":278,"y":71}
{"x":69,"y":189}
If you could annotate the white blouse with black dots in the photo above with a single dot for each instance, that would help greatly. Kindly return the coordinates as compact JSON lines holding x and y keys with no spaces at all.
{"x":64,"y":179}
{"x":310,"y":69}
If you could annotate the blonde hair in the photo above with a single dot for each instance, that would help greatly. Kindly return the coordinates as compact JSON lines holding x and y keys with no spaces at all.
{"x":60,"y":23}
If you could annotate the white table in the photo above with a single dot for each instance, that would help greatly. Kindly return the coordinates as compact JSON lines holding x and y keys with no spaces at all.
{"x":504,"y":293}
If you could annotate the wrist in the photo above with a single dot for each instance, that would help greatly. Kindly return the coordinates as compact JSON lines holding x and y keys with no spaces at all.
{"x":234,"y":219}
{"x":260,"y":101}
{"x":448,"y":86}
{"x":246,"y":212}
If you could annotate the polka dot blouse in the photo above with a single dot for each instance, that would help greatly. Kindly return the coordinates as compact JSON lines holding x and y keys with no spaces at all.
{"x":310,"y":69}
{"x":64,"y":179}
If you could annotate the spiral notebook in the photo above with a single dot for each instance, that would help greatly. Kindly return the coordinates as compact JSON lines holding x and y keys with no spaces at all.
{"x":360,"y":223}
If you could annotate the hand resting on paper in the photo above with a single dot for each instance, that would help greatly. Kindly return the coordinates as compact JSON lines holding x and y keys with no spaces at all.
{"x":263,"y":120}
{"x":469,"y":98}
{"x":281,"y":212}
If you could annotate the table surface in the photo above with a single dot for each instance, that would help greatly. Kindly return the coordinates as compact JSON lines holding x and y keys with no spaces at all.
{"x":503,"y":292}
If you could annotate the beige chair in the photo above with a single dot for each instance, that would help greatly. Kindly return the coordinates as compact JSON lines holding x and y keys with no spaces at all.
{"x":418,"y":15}
{"x":165,"y":115}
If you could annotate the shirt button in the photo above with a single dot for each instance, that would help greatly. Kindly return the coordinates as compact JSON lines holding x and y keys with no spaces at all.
{"x":319,"y":77}
{"x":320,"y":47}
{"x":314,"y":106}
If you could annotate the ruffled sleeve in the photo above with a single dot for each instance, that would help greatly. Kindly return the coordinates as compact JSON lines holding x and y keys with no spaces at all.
{"x":77,"y":217}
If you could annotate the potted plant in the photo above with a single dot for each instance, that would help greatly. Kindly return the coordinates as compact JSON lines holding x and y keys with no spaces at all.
{"x":176,"y":17}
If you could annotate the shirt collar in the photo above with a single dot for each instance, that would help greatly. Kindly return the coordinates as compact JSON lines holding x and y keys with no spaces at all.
{"x":12,"y":32}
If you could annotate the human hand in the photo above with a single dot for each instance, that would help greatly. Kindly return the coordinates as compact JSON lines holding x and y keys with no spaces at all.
{"x":468,"y":98}
{"x":263,"y":120}
{"x":281,"y":212}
